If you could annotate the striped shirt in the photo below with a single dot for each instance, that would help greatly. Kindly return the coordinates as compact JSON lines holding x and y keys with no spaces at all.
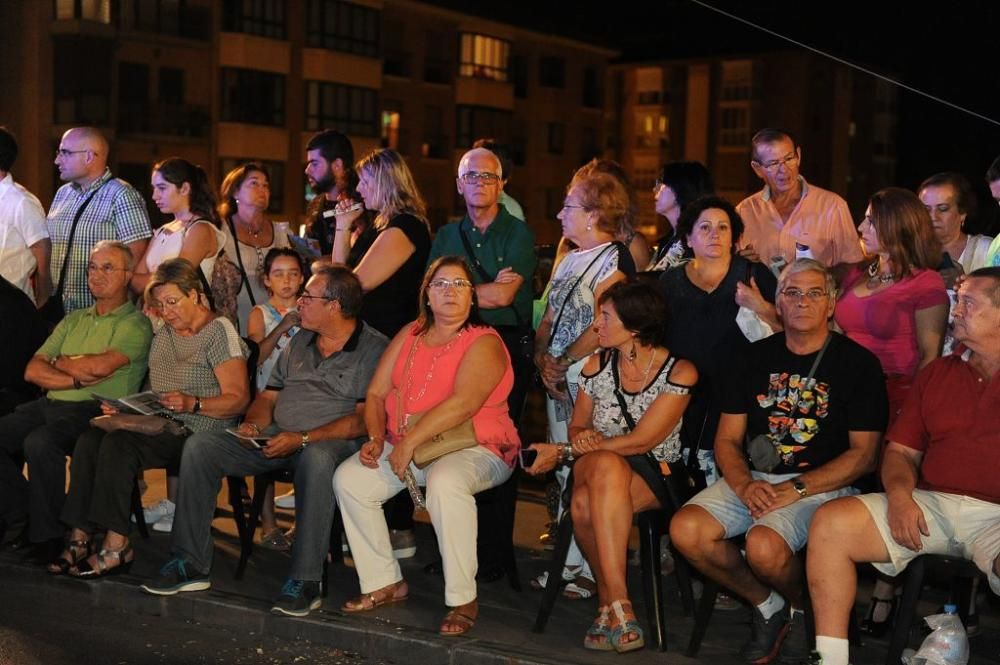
{"x":117,"y":212}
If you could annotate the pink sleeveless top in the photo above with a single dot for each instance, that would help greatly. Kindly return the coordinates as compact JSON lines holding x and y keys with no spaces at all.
{"x":432,"y":380}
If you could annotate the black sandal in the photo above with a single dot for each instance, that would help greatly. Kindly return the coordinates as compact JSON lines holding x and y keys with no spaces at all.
{"x":869,"y":626}
{"x":85,"y":571}
{"x":70,"y":557}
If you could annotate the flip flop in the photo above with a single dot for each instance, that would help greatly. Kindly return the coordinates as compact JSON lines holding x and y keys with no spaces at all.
{"x":456,"y":618}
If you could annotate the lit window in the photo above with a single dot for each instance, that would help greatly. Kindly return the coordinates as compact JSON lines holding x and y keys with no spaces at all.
{"x":390,"y":129}
{"x":484,"y":57}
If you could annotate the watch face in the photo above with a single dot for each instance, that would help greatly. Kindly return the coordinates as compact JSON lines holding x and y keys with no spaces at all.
{"x":799,"y":487}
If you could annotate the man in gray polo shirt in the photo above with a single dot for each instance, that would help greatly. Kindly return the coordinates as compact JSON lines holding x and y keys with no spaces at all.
{"x":311,"y":414}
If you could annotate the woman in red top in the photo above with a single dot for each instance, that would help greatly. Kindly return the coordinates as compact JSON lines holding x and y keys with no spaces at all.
{"x":447,"y":367}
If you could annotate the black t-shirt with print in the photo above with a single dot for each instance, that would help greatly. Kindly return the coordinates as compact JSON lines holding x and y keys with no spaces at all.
{"x":810,"y":424}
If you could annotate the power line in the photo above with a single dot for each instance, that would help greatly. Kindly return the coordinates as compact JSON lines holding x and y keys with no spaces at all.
{"x":842,"y":61}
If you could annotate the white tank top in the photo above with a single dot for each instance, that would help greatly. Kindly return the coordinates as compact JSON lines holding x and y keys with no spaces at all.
{"x":167,"y":242}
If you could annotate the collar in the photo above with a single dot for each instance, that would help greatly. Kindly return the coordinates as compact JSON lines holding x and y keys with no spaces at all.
{"x":766,"y":192}
{"x":502,"y":219}
{"x":6,"y":183}
{"x":94,"y":185}
{"x":352,"y":341}
{"x":124,"y":308}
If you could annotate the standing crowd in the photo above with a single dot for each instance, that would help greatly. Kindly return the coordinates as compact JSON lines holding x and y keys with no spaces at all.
{"x":815,"y":381}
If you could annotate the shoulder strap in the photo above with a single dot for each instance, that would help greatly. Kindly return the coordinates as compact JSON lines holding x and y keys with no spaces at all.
{"x":69,"y":244}
{"x":819,"y":357}
{"x":485,"y":276}
{"x":239,"y":261}
{"x":618,"y":394}
{"x":558,"y":319}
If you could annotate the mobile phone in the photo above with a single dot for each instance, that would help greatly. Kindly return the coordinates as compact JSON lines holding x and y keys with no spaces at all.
{"x":527,"y":457}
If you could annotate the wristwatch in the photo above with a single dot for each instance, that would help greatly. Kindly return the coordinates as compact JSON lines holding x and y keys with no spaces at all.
{"x":305,"y":437}
{"x":800,"y":487}
{"x":197,"y":405}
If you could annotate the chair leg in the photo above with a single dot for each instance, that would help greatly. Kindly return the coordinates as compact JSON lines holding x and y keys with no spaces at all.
{"x":704,"y":614}
{"x":682,"y":569}
{"x":260,"y":485}
{"x":907,"y":608}
{"x":652,"y":582}
{"x":551,"y":592}
{"x":140,"y":520}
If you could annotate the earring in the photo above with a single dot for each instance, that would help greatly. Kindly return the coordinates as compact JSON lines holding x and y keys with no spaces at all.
{"x":632,"y":352}
{"x":590,"y":227}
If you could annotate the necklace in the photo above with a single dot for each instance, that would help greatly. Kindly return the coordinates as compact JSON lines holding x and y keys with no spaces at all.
{"x":875,"y":276}
{"x":649,"y":366}
{"x":429,"y":376}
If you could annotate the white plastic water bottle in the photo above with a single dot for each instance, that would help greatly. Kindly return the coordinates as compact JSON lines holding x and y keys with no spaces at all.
{"x":948,"y":643}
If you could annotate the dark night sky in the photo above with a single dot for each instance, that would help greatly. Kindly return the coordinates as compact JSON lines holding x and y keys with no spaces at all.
{"x":948,"y":51}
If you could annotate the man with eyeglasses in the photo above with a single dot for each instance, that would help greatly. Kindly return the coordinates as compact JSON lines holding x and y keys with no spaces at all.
{"x":500,"y":252}
{"x":310,"y":417}
{"x":24,"y":239}
{"x":100,"y":349}
{"x":102,"y":208}
{"x":790,"y":218}
{"x":939,"y":472}
{"x":809,"y":406}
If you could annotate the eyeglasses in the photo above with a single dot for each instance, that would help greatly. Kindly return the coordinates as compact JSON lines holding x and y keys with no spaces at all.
{"x":167,"y":303}
{"x":105,"y":269}
{"x":473,"y":177}
{"x":567,"y":206}
{"x":308,"y":297}
{"x":773,"y":165}
{"x":812,"y":294}
{"x":442,"y":284}
{"x":62,"y":152}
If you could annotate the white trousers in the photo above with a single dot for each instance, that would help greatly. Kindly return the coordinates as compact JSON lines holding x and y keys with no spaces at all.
{"x":451,"y":482}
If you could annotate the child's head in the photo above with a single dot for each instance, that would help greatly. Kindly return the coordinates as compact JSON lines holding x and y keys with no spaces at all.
{"x":284,"y":272}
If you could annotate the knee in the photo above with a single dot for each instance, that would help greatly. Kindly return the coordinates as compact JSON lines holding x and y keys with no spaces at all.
{"x":767,"y":551}
{"x":346,"y":478}
{"x":38,"y":445}
{"x":833,"y":521}
{"x":692,"y":530}
{"x":580,"y":504}
{"x":601,"y":468}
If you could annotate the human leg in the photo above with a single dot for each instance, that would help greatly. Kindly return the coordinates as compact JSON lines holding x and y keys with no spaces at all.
{"x":14,"y":428}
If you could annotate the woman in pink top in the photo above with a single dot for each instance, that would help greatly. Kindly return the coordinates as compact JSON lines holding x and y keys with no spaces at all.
{"x":446,"y":367}
{"x":896,"y":306}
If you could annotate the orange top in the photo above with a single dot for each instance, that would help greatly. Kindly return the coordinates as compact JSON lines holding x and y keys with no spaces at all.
{"x":432,"y":380}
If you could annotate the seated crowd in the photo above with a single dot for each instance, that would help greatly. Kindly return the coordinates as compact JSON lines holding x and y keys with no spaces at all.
{"x":786,"y":368}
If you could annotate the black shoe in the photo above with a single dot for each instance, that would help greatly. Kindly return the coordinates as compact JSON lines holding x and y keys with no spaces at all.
{"x":298,"y":598}
{"x":490,"y":573}
{"x":44,"y":552}
{"x":175,"y":578}
{"x":795,"y":647}
{"x":766,"y":636}
{"x":869,"y":626}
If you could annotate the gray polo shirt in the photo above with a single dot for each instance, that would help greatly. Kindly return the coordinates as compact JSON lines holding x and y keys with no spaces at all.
{"x":315,"y":390}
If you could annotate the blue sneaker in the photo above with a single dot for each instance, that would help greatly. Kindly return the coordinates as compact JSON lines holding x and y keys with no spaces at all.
{"x":174,"y":578}
{"x":298,"y":598}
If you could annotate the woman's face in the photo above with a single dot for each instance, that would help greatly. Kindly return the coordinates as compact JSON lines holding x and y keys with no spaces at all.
{"x":449,"y":293}
{"x":285,"y":278}
{"x":168,"y":197}
{"x":177,"y":309}
{"x":366,"y":189}
{"x":611,"y":332}
{"x":665,"y":202}
{"x":869,"y":236}
{"x":255,"y":191}
{"x":575,"y":219}
{"x":946,"y":219}
{"x":712,"y":234}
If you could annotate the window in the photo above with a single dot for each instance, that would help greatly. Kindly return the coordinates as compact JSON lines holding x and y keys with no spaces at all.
{"x":475,"y":122}
{"x":737,"y":81}
{"x":484,"y":57}
{"x":171,"y":88}
{"x":166,"y":17}
{"x":649,"y":86}
{"x":435,"y":142}
{"x":390,"y":125}
{"x":439,"y":57}
{"x":593,"y":96}
{"x":395,"y":61}
{"x":556,"y":135}
{"x":82,"y":86}
{"x":252,"y":96}
{"x":343,"y":26}
{"x":133,"y":97}
{"x":264,"y":18}
{"x":519,"y":75}
{"x":277,"y":180}
{"x":589,"y":145}
{"x":351,"y":110}
{"x":734,"y":127}
{"x":552,"y":72}
{"x":87,"y":10}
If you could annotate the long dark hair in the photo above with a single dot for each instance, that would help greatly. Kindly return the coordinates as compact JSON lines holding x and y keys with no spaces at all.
{"x":426,"y":318}
{"x":178,"y":171}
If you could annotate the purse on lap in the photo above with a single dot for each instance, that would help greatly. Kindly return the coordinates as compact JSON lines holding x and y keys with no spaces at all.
{"x":148,"y":425}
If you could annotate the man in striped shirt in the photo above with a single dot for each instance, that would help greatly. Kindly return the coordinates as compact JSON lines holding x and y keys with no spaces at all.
{"x":112,"y":210}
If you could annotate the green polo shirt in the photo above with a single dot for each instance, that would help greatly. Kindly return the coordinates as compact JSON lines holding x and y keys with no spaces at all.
{"x":507,"y":242}
{"x":83,"y":332}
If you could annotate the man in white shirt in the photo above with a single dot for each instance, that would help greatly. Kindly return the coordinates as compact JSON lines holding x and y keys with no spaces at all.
{"x":24,"y":238}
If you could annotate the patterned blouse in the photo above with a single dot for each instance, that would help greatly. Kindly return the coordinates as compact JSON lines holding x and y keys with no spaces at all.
{"x":608,"y":418}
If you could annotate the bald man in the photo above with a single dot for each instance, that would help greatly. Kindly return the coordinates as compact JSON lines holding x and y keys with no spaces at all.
{"x":100,"y":206}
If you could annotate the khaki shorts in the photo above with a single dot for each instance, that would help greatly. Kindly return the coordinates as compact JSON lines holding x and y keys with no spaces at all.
{"x":959,"y":526}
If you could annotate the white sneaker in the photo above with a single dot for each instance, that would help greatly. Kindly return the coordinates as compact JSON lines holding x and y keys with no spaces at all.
{"x":158,"y":511}
{"x":286,"y":501}
{"x":165,"y":524}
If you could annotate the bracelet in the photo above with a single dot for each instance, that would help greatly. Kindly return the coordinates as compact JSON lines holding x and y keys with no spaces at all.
{"x":568,"y":452}
{"x":345,"y":228}
{"x":255,"y":426}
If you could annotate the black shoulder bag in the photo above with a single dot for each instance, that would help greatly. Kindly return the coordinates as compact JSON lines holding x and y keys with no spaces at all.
{"x":239,"y":261}
{"x":53,"y":311}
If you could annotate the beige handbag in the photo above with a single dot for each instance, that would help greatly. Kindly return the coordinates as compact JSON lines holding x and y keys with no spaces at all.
{"x":148,"y":425}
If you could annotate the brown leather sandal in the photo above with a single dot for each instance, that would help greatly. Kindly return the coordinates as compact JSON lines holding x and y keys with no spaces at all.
{"x":464,"y":622}
{"x":367,"y":602}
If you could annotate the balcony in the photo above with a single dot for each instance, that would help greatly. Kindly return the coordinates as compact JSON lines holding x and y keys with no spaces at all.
{"x":484,"y":92}
{"x":183,"y":120}
{"x":397,"y":63}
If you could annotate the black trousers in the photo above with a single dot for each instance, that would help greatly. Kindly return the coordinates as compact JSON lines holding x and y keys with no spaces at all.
{"x":103,"y":473}
{"x":42,"y":433}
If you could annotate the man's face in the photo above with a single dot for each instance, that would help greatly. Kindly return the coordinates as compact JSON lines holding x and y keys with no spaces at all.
{"x":804,"y":304}
{"x":73,"y":157}
{"x":106,"y":274}
{"x":777,"y":164}
{"x":319,"y":172}
{"x":977,"y":319}
{"x":314,"y":307}
{"x":479,"y":180}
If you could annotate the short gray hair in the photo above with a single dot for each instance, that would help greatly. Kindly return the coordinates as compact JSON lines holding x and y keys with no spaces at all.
{"x":808,"y":265}
{"x":343,"y":286}
{"x":117,"y":246}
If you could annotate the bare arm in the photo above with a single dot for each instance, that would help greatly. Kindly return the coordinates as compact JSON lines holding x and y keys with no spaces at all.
{"x":343,"y":223}
{"x":42,"y":250}
{"x":261,"y":411}
{"x":267,"y":343}
{"x":43,"y":375}
{"x":92,"y":368}
{"x":233,"y":397}
{"x":138,"y":248}
{"x":847,"y":467}
{"x":729,"y":453}
{"x":900,"y":472}
{"x":501,"y":291}
{"x":931,"y":323}
{"x":387,"y":254}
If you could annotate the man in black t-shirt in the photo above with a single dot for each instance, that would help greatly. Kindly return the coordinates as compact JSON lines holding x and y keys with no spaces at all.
{"x":813,"y":406}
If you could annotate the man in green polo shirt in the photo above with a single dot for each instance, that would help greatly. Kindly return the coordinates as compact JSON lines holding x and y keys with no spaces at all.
{"x":99,"y":349}
{"x":500,"y":251}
